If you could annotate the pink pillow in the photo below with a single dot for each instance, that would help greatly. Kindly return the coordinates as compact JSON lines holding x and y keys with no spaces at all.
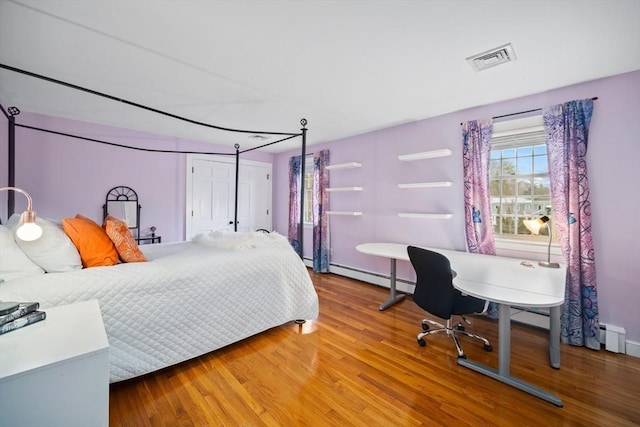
{"x":119,"y":233}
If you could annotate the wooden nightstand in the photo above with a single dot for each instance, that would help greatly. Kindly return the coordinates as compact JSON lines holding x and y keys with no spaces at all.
{"x":56,"y":372}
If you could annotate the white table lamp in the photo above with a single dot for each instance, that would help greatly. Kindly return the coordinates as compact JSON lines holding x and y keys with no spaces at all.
{"x":535,"y":226}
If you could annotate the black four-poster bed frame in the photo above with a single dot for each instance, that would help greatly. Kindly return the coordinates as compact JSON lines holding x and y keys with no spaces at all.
{"x":11,"y":113}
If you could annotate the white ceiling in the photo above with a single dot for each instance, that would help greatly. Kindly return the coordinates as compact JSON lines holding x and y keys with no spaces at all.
{"x":348,"y":67}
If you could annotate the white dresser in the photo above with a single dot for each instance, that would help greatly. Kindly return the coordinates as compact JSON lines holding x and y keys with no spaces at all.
{"x":56,"y":372}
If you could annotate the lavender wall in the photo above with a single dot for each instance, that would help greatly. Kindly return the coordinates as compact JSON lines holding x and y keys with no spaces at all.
{"x":66,"y":176}
{"x":613,"y":156}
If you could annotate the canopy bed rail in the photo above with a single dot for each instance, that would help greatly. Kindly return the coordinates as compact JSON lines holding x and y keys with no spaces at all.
{"x":11,"y":112}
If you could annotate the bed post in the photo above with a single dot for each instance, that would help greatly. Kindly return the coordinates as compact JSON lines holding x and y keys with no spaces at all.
{"x":11,"y":158}
{"x":235,"y":208}
{"x":303,"y":156}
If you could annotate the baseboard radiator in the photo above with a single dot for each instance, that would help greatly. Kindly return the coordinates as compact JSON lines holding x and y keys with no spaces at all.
{"x":612,"y":337}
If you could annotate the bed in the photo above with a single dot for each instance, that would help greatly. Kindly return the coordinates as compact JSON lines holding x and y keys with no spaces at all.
{"x":189,"y":299}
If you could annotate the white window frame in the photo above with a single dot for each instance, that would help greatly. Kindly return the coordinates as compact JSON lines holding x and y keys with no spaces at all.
{"x":514,"y":128}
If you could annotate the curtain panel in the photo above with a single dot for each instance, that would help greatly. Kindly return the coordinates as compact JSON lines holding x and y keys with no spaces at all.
{"x":476,"y":157}
{"x":320,"y":209}
{"x":295,"y":182}
{"x":567,"y":129}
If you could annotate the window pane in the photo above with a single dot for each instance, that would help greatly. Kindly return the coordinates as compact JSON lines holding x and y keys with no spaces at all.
{"x":509,"y":187}
{"x":540,"y":164}
{"x":524,"y":187}
{"x":525,"y":151}
{"x":508,"y":153}
{"x":540,"y":149}
{"x":508,"y":167}
{"x":541,"y":186}
{"x":524,"y":165}
{"x":494,"y":168}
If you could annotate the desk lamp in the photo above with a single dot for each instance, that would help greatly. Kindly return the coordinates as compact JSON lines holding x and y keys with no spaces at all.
{"x":534,"y":226}
{"x":29,"y":230}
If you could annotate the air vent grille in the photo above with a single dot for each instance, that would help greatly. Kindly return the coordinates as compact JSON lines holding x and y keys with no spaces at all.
{"x":493,"y":57}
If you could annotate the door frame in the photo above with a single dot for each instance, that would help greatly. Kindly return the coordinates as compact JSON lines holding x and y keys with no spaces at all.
{"x":220,"y":159}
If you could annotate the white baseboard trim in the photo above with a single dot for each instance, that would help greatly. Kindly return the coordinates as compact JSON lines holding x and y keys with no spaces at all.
{"x":633,"y":348}
{"x":538,"y":318}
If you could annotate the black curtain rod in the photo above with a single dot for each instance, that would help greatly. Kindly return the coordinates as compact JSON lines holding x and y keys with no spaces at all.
{"x":525,"y":112}
{"x":144,"y":107}
{"x":121,"y":145}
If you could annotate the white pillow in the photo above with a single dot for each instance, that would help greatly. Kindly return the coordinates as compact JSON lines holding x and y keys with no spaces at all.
{"x":53,"y":251}
{"x":13,"y":262}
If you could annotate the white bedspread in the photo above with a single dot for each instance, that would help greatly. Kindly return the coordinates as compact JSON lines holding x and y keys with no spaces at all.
{"x":189,"y":299}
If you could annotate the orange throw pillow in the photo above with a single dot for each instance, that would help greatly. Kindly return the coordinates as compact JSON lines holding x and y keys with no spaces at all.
{"x":95,"y":247}
{"x":118,"y":232}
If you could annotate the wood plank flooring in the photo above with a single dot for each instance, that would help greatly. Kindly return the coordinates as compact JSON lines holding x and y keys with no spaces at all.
{"x":357,"y":366}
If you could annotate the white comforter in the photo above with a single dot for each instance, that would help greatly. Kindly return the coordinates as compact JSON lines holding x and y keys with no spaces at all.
{"x":189,"y":299}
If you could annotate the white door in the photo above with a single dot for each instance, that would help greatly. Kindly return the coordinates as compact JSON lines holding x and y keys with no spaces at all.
{"x":211,"y":195}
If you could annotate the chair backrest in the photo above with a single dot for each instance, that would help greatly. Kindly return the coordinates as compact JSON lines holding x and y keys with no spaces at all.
{"x":434,"y":291}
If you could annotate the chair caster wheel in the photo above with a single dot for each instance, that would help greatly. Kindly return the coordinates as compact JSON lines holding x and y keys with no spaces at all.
{"x":422,"y":342}
{"x":463,"y":356}
{"x":488,"y":347}
{"x":425,"y":327}
{"x":460,"y":327}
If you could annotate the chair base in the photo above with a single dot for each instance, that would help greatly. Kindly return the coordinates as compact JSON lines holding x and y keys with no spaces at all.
{"x":451,"y":331}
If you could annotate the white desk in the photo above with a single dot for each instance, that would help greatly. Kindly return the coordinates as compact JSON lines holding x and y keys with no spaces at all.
{"x":504,"y":281}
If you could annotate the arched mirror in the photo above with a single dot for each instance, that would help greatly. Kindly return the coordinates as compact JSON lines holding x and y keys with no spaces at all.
{"x":122,"y":202}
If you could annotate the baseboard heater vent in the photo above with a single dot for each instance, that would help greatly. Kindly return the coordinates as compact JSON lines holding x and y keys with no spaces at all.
{"x":613,"y":338}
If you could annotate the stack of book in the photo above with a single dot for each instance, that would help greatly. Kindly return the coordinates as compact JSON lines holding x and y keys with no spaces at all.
{"x":15,"y":315}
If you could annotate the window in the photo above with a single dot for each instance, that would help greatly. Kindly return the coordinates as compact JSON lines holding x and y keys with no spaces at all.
{"x":308,"y":191}
{"x":519,"y":178}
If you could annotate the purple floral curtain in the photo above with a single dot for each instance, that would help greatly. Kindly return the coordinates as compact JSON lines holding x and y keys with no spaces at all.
{"x":295,"y":183}
{"x":320,"y":208}
{"x":567,"y":129}
{"x":476,"y":155}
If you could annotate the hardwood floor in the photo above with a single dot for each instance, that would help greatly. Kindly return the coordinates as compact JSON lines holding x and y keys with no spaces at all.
{"x":357,"y":366}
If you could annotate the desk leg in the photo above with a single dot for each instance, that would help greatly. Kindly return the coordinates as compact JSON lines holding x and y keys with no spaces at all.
{"x":554,"y":336}
{"x":502,"y":374}
{"x":393,"y":297}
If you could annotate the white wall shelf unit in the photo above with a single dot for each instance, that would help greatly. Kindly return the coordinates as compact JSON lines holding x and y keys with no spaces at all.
{"x":426,"y":184}
{"x":344,"y":213}
{"x":344,"y":189}
{"x":349,"y":165}
{"x":425,"y":155}
{"x":426,"y":215}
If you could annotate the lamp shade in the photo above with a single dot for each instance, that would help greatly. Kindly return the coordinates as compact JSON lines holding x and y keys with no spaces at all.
{"x":29,"y":230}
{"x":535,"y":226}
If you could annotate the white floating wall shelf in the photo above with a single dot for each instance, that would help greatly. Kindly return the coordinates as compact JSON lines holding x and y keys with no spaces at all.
{"x":425,"y":215}
{"x":349,"y":165}
{"x":344,"y":213}
{"x":426,"y":184}
{"x":425,"y":155}
{"x":344,"y":189}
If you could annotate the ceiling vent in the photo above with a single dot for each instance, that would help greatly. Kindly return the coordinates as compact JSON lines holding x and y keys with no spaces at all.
{"x":492,"y":57}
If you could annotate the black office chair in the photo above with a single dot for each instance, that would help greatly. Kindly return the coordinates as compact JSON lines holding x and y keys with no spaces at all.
{"x":435,"y":293}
